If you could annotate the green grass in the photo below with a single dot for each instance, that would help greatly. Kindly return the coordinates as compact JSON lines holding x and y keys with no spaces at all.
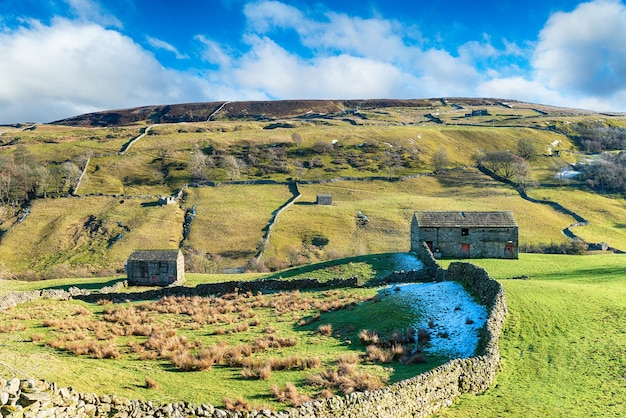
{"x":128,"y":373}
{"x":230,"y":221}
{"x":390,"y":207}
{"x":606,"y":214}
{"x":59,"y":233}
{"x":564,"y":341}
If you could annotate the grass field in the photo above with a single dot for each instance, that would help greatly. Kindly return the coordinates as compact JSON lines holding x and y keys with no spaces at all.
{"x":564,"y":342}
{"x":94,"y":233}
{"x":390,"y":207}
{"x":169,"y":341}
{"x":565,"y":324}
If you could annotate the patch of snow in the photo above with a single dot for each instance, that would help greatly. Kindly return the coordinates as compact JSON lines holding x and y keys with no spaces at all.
{"x":450,"y":314}
{"x":406,"y":262}
{"x":567,"y":174}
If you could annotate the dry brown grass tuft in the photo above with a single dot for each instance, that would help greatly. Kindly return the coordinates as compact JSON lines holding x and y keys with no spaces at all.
{"x":368,"y":337}
{"x":11,"y":327}
{"x":346,"y":379}
{"x":289,"y":394}
{"x":81,"y":310}
{"x":326,"y":329}
{"x":261,"y":372}
{"x":151,"y":383}
{"x":237,"y":405}
{"x":294,"y":363}
{"x":184,"y":360}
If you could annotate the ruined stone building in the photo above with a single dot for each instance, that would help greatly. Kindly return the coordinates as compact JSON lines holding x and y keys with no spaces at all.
{"x":466,"y":234}
{"x":155,"y":267}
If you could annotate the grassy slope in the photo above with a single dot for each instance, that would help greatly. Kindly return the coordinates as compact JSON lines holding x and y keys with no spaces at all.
{"x":390,"y":207}
{"x":55,"y":232}
{"x":564,"y":344}
{"x":230,"y":220}
{"x":606,"y":214}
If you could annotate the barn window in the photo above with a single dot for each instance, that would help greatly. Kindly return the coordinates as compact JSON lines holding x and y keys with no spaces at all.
{"x":464,"y":232}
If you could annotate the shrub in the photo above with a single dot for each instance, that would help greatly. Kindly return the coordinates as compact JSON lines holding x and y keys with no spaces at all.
{"x":368,"y":337}
{"x":151,"y":383}
{"x":237,"y":405}
{"x":289,"y":394}
{"x":423,"y":336}
{"x":326,"y":329}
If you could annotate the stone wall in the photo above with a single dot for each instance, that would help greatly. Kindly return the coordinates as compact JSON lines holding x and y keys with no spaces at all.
{"x":420,"y":396}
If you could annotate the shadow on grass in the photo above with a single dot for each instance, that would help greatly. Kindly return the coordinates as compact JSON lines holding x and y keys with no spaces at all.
{"x":383,"y":315}
{"x":367,"y":268}
{"x":95,"y":285}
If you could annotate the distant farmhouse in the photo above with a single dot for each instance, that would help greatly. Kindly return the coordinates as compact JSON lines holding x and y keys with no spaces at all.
{"x":155,"y":267}
{"x":466,"y":234}
{"x":477,"y":112}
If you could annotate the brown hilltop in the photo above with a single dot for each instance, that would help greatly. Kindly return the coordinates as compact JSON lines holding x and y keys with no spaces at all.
{"x":271,"y":110}
{"x":246,"y":110}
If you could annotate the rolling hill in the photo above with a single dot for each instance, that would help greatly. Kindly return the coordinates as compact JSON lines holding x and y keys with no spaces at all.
{"x":85,"y":190}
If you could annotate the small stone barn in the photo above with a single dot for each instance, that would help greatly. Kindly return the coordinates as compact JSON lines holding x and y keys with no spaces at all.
{"x":466,"y":234}
{"x":155,"y":267}
{"x":324,"y":199}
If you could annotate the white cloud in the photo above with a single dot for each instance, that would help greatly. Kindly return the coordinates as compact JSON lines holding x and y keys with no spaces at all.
{"x":67,"y":68}
{"x":584,"y":51}
{"x":75,"y":66}
{"x":160,"y":44}
{"x":267,"y":15}
{"x":278,"y":73}
{"x":91,"y":11}
{"x":214,"y":53}
{"x":333,"y":32}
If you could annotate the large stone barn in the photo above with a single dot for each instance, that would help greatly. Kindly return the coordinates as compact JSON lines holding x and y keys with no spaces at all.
{"x":466,"y":234}
{"x":155,"y":267}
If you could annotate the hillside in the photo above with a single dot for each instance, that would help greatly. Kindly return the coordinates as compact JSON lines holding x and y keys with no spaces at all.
{"x":79,"y":194}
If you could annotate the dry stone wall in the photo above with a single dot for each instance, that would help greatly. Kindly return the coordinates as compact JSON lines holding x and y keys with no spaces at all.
{"x":420,"y":396}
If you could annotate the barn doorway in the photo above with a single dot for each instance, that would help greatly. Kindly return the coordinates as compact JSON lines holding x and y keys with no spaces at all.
{"x":509,"y":250}
{"x":465,"y":250}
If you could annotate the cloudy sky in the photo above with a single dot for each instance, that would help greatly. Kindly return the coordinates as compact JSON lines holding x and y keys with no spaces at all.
{"x":60,"y":58}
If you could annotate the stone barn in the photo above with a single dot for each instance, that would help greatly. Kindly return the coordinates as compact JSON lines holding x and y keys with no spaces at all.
{"x":324,"y":199}
{"x":155,"y":267}
{"x":466,"y":234}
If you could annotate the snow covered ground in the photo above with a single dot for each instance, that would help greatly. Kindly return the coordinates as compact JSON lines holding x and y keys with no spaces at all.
{"x":448,"y":312}
{"x":406,"y":262}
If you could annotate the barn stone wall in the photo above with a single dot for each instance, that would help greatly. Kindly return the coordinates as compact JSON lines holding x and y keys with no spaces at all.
{"x":483,"y":242}
{"x":420,"y":396}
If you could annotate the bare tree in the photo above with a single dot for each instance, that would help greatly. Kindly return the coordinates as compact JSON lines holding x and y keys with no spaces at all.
{"x":526,"y":149}
{"x":503,"y":163}
{"x":392,"y":162}
{"x":233,"y":166}
{"x":199,"y":163}
{"x":440,"y":159}
{"x":297,"y":139}
{"x":323,"y":147}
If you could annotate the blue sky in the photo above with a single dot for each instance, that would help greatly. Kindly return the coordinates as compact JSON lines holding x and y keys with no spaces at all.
{"x":60,"y":58}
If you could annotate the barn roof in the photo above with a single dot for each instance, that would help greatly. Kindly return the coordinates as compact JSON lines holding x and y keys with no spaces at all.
{"x":154,"y":255}
{"x":502,"y":219}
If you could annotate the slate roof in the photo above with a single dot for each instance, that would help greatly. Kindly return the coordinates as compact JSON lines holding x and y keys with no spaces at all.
{"x":154,"y":255}
{"x":503,"y":219}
